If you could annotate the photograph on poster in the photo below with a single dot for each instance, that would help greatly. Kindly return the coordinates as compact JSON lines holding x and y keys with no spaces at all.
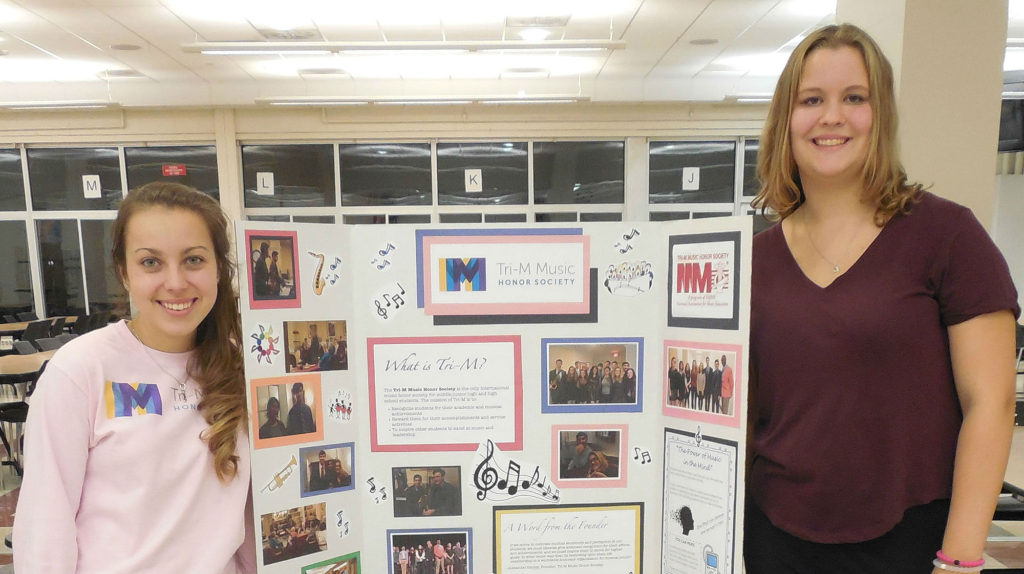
{"x":273,"y":269}
{"x":311,"y":346}
{"x":326,"y":468}
{"x":347,"y":564}
{"x":592,"y":375}
{"x":286,"y":410}
{"x":704,"y":280}
{"x":699,"y":504}
{"x":430,"y":551}
{"x":569,"y":539}
{"x":445,"y":393}
{"x":294,"y":532}
{"x":589,"y":456}
{"x":703,"y":381}
{"x":427,"y":490}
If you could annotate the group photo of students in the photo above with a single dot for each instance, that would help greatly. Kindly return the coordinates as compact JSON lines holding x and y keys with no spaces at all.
{"x":312,"y":346}
{"x":592,"y":373}
{"x":701,"y":380}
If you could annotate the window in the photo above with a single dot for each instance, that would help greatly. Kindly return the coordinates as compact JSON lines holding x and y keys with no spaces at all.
{"x":498,"y":170}
{"x":195,"y":166}
{"x":385,"y":174}
{"x":299,"y":175}
{"x":16,"y":282}
{"x":714,"y":178}
{"x":12,"y":183}
{"x":750,"y":184}
{"x":578,"y":172}
{"x":64,"y":179}
{"x":61,"y":264}
{"x":102,"y":284}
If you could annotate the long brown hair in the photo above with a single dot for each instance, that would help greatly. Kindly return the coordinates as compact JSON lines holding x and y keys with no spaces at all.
{"x":885,"y":181}
{"x":216,"y":364}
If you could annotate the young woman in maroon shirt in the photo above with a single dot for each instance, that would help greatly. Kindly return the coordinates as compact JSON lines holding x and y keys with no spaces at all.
{"x":882,"y":335}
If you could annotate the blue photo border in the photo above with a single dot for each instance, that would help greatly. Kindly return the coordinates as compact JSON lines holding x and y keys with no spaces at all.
{"x":393,"y":531}
{"x":547,"y":408}
{"x":304,"y":471}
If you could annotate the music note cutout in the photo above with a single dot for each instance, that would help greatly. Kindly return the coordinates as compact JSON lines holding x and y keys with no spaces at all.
{"x":509,"y":484}
{"x":485,"y":477}
{"x":373,"y":487}
{"x":383,"y":252}
{"x":631,"y":235}
{"x":646,"y":458}
{"x":337,"y":261}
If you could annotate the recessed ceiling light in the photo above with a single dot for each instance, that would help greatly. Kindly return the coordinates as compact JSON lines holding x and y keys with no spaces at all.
{"x":534,"y":34}
{"x":125,"y":47}
{"x":704,"y":41}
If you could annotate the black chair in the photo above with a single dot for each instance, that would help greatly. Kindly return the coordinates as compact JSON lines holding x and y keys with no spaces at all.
{"x":81,"y":324}
{"x":36,"y":330}
{"x":99,"y":320}
{"x":14,"y":412}
{"x":9,"y":319}
{"x":47,"y":343}
{"x":65,"y":337}
{"x":57,"y":327}
{"x":25,"y":347}
{"x":27,"y":316}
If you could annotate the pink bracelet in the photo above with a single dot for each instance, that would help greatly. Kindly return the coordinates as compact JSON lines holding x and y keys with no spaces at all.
{"x":947,"y":560}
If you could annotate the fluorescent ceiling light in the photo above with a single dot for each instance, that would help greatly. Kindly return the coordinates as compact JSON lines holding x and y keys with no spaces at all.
{"x":238,"y":48}
{"x":534,"y":34}
{"x":319,"y":101}
{"x":1013,"y":95}
{"x":60,"y":105}
{"x":749,"y":98}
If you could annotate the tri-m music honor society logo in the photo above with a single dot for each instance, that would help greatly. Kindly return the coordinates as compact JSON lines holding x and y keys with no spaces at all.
{"x":470,"y":274}
{"x":703,"y":283}
{"x":509,"y":273}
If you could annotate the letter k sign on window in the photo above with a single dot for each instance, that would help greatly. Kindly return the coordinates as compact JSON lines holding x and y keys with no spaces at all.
{"x":474,"y":180}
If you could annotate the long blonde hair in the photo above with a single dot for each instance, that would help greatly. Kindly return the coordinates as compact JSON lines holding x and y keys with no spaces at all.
{"x":216,"y":364}
{"x":885,"y":181}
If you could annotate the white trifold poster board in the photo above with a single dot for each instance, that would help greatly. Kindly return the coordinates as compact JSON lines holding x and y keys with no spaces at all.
{"x":502,"y":399}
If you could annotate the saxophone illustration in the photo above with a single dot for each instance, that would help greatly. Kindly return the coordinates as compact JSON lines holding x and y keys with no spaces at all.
{"x":318,"y":282}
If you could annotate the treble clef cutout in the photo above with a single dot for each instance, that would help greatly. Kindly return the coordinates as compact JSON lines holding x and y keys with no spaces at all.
{"x":485,"y":476}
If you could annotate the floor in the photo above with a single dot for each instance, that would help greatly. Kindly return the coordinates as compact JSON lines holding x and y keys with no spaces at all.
{"x":1005,"y":548}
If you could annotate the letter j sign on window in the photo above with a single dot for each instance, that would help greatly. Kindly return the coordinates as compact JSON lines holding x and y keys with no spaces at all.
{"x":474,"y":180}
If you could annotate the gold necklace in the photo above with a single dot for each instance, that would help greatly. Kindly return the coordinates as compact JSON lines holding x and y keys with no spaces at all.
{"x":145,"y":348}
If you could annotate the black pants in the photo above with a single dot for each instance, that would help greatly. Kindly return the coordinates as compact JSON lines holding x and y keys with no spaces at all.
{"x":908,"y":548}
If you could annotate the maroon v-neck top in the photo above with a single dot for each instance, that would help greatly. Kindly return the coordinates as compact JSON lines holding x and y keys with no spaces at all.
{"x":857,"y":414}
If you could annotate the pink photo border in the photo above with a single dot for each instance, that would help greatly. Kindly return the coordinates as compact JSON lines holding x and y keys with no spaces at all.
{"x":739,"y":389}
{"x":293,"y":303}
{"x":619,"y":482}
{"x":516,"y":341}
{"x":309,"y":381}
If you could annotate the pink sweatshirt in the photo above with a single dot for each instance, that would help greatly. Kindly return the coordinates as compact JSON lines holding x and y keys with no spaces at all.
{"x":117,"y":479}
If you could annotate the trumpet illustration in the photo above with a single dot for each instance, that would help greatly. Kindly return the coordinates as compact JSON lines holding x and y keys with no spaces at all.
{"x":279,"y":478}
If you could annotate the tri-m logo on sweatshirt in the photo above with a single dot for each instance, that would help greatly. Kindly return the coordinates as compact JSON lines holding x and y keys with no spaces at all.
{"x":130,"y":399}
